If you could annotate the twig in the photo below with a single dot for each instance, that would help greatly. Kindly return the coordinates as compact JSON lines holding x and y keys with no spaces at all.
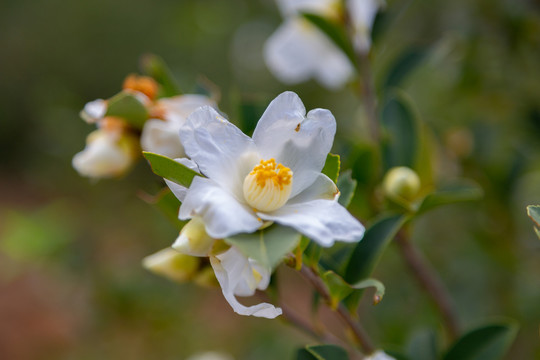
{"x":368,"y":95}
{"x":359,"y":332}
{"x":430,"y":282}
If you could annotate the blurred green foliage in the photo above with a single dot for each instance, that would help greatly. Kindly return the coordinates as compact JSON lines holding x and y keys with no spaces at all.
{"x":469,"y":67}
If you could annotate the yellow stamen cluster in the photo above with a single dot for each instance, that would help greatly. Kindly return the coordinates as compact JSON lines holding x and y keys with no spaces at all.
{"x":268,"y":186}
{"x":143,"y":84}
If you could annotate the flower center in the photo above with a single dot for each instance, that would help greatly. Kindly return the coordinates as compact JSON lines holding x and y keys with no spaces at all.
{"x":268,"y":186}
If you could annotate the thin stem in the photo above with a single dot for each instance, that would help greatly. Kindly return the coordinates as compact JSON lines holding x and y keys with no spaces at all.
{"x":430,"y":283}
{"x":367,"y":94}
{"x":359,"y":332}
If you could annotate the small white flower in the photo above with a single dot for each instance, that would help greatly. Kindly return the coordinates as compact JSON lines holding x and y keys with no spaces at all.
{"x":107,"y":154}
{"x":93,"y":111}
{"x":274,"y":176}
{"x":362,"y":14}
{"x":379,"y":355}
{"x":298,"y":50}
{"x":160,"y":136}
{"x":240,"y":276}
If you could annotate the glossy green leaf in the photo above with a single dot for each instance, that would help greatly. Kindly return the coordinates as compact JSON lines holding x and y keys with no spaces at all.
{"x":335,"y":32}
{"x":331,"y":167}
{"x":167,"y":204}
{"x":322,"y":352}
{"x":347,"y":186}
{"x":404,"y":65}
{"x":337,"y":287}
{"x":367,"y":252}
{"x":489,"y":342}
{"x":268,"y":246}
{"x":129,"y":108}
{"x":401,"y":132}
{"x":170,"y":169}
{"x":455,"y":193}
{"x":154,"y":66}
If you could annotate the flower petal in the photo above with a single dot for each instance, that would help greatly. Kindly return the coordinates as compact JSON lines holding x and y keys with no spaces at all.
{"x":363,"y":14}
{"x":178,"y":190}
{"x":235,"y":275}
{"x":161,"y":137}
{"x":94,"y":110}
{"x":297,"y":141}
{"x":297,"y":51}
{"x":178,"y":108}
{"x":222,"y":152}
{"x":324,"y":221}
{"x":222,"y":214}
{"x":294,"y":7}
{"x":322,"y":188}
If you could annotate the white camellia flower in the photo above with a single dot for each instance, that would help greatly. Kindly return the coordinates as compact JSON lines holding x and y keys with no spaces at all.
{"x":107,"y":154}
{"x":274,"y":176}
{"x":160,"y":136}
{"x":362,"y":14}
{"x":298,"y":50}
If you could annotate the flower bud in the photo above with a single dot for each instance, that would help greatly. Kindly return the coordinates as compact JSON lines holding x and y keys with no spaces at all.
{"x":401,"y":183}
{"x":107,"y":154}
{"x":206,"y":278}
{"x":193,"y":239}
{"x":173,"y":265}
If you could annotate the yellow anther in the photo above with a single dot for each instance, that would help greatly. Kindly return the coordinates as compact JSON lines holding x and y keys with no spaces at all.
{"x":268,"y":186}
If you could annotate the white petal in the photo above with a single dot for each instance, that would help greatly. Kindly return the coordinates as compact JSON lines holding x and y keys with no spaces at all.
{"x":161,"y":137}
{"x":178,"y":190}
{"x":103,"y":156}
{"x":222,"y":214}
{"x":94,"y":110}
{"x":222,"y":152}
{"x":363,"y":14}
{"x":324,"y":221}
{"x":298,"y":51}
{"x":178,"y":108}
{"x":322,"y":188}
{"x":298,"y":142}
{"x":235,"y":276}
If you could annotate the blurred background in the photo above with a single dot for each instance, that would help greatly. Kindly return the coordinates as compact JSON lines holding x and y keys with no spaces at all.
{"x":71,"y":283}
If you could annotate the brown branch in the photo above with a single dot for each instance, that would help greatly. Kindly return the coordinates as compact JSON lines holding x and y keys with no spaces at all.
{"x":359,"y":332}
{"x":368,"y":95}
{"x":430,"y":283}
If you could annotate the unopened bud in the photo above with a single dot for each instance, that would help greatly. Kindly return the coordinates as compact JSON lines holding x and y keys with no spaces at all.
{"x":401,"y":183}
{"x":193,"y":239}
{"x":142,"y":84}
{"x":173,"y":265}
{"x":206,"y":278}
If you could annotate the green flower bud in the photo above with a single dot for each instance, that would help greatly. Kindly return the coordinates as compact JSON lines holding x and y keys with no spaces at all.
{"x":401,"y":183}
{"x":172,"y":264}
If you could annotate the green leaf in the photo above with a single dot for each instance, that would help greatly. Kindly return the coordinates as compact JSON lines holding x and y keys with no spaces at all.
{"x":347,"y":186}
{"x":267,"y":246}
{"x":339,"y":289}
{"x":367,"y":252}
{"x":129,"y":108}
{"x":450,"y":194}
{"x":404,"y":65}
{"x":322,"y":352}
{"x":534,"y":213}
{"x":154,"y":66}
{"x":335,"y":32}
{"x":167,"y":204}
{"x":331,"y":167}
{"x":489,"y":342}
{"x":170,"y":169}
{"x":401,"y":140}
